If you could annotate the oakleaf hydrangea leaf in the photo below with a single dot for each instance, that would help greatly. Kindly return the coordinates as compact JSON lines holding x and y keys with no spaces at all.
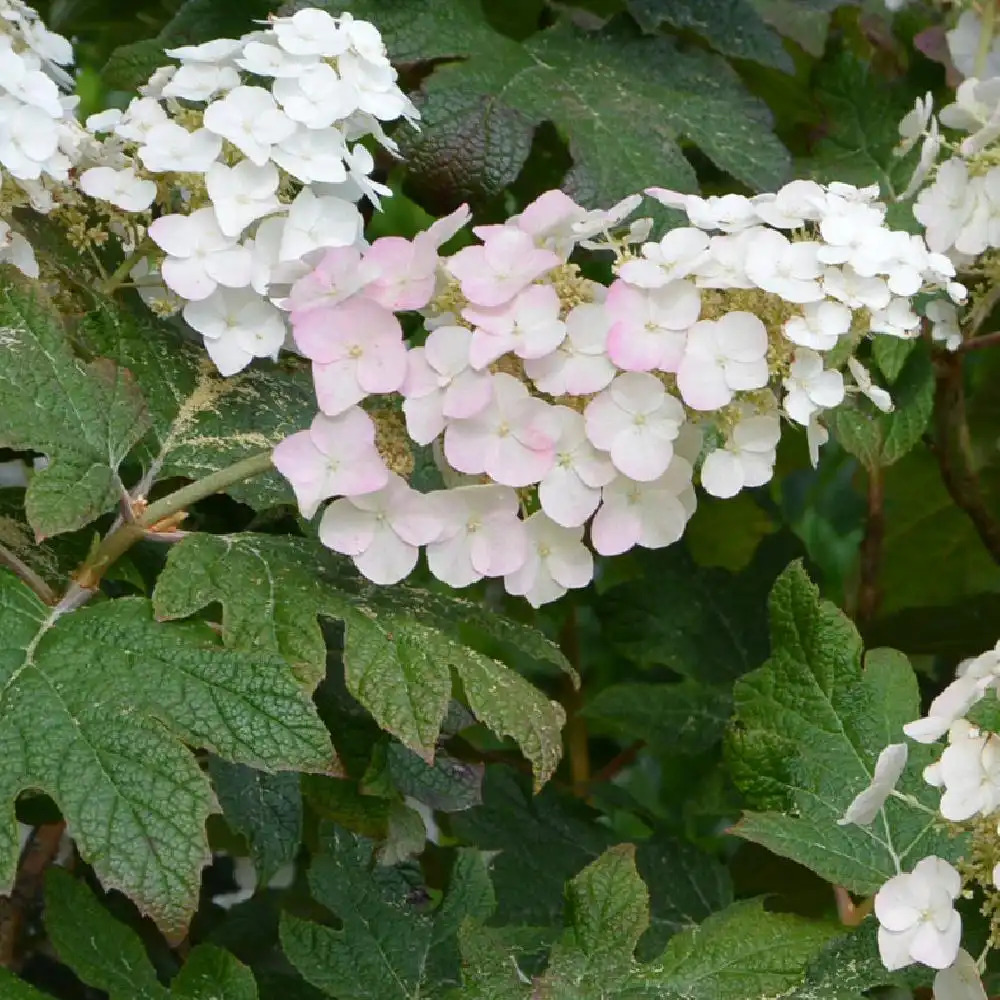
{"x":608,"y":910}
{"x":202,"y":422}
{"x":265,"y":808}
{"x":12,"y":988}
{"x":400,"y":648}
{"x":622,"y":101}
{"x":110,"y":956}
{"x":94,"y":706}
{"x":732,"y":27}
{"x":740,"y":953}
{"x":84,"y":418}
{"x":383,"y":947}
{"x":809,"y":725}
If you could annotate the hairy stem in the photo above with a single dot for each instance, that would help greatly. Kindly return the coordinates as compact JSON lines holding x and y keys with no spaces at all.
{"x":953,"y":446}
{"x":979,"y":343}
{"x":869,"y":591}
{"x":28,"y":575}
{"x":125,"y":534}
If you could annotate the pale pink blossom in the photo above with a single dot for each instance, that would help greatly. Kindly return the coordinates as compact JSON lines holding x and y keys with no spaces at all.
{"x":652,"y":514}
{"x":507,"y":262}
{"x":580,"y":365}
{"x":440,"y":385}
{"x":649,"y":326}
{"x":356,"y":348}
{"x":381,"y":531}
{"x":481,"y":534}
{"x":635,"y":421}
{"x":512,"y":439}
{"x":556,"y":561}
{"x":528,"y":326}
{"x":336,"y":456}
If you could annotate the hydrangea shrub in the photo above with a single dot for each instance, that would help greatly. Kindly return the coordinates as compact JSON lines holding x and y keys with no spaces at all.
{"x":500,"y":501}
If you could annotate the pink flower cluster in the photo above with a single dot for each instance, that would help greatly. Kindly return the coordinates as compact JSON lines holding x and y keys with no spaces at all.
{"x":560,"y":410}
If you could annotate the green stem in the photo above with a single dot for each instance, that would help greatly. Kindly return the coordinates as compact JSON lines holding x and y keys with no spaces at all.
{"x":122,"y":538}
{"x":121,"y":273}
{"x":985,"y":38}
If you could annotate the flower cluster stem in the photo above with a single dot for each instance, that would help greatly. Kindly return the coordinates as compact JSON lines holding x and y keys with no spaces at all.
{"x":20,"y":568}
{"x":121,"y":538}
{"x":869,"y":592}
{"x":121,"y":273}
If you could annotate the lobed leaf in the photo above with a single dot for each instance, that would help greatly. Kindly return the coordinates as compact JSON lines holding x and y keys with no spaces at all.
{"x":808,"y":727}
{"x":401,"y":644}
{"x":94,"y":706}
{"x":84,"y":418}
{"x":200,"y":421}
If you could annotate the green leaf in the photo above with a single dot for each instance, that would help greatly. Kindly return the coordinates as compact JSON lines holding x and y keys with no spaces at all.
{"x":543,"y":840}
{"x":685,"y":718}
{"x":623,"y":103}
{"x":12,"y":988}
{"x":110,"y":956}
{"x":726,"y":533}
{"x":94,"y":705}
{"x":742,"y":953}
{"x":731,"y":27}
{"x":265,"y":808}
{"x":932,"y":555}
{"x":202,"y":422}
{"x":804,"y":21}
{"x":850,"y":965}
{"x":490,"y":969}
{"x":882,"y":439}
{"x":196,"y":21}
{"x":608,"y":909}
{"x":382,"y":947}
{"x":686,"y":885}
{"x":86,"y":419}
{"x":447,"y":785}
{"x":400,"y":647}
{"x":102,"y":951}
{"x":862,"y":113}
{"x":703,"y":623}
{"x":213,"y":974}
{"x":808,"y":728}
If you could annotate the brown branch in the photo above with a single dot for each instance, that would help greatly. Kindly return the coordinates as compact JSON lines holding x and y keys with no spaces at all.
{"x":978,"y":343}
{"x":618,"y":763}
{"x":24,"y":897}
{"x":577,"y":737}
{"x":28,"y":575}
{"x":953,"y":447}
{"x":869,"y":591}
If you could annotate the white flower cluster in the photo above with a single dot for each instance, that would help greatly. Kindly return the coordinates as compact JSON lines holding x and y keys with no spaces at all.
{"x":553,"y":403}
{"x":39,"y":136}
{"x":252,"y":151}
{"x":915,"y":910}
{"x":957,"y":186}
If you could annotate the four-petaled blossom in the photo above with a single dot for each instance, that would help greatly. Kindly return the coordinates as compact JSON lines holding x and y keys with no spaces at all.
{"x":635,"y":421}
{"x":335,"y":457}
{"x":382,"y":531}
{"x":356,"y":348}
{"x":556,"y":561}
{"x":722,"y":356}
{"x":868,"y":803}
{"x":810,"y":387}
{"x":529,"y":326}
{"x":439,"y":384}
{"x":512,"y":439}
{"x":652,"y":514}
{"x":506,"y":263}
{"x":481,"y":535}
{"x":581,"y":364}
{"x":969,"y":773}
{"x":746,"y":460}
{"x":649,"y":327}
{"x":123,"y":188}
{"x":200,"y":257}
{"x":917,"y":918}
